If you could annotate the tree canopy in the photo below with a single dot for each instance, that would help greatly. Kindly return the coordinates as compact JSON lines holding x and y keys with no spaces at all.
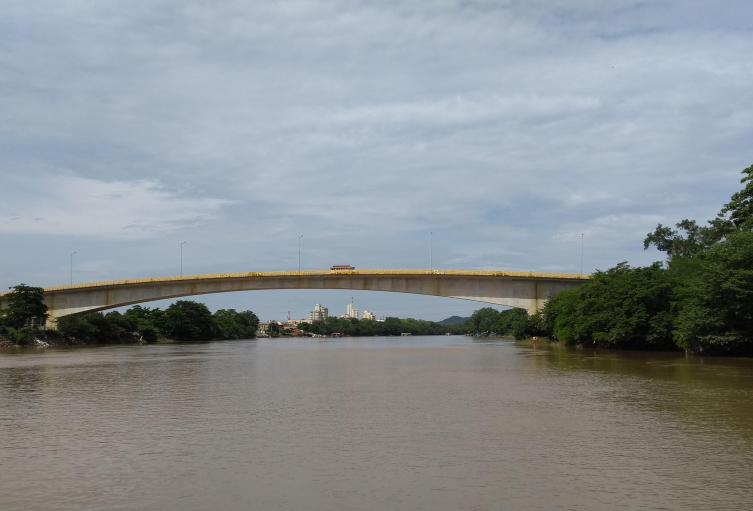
{"x":25,"y":307}
{"x":701,"y":300}
{"x":184,"y":320}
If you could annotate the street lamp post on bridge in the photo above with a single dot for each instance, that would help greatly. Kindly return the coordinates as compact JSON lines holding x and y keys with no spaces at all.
{"x":71,"y":265}
{"x":181,"y":256}
{"x":300,"y":237}
{"x":431,"y":250}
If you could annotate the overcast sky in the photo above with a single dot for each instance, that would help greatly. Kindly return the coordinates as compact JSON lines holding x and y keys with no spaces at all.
{"x":505,"y":127}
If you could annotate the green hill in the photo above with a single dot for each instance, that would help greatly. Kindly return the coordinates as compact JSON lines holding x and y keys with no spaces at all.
{"x":453,"y":320}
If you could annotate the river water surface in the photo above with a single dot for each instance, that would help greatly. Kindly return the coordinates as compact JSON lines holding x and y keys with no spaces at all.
{"x":423,"y":423}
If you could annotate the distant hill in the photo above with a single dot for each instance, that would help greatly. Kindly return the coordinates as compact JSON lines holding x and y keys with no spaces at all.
{"x":453,"y":320}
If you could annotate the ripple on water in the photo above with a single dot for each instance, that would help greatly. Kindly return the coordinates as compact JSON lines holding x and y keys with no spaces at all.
{"x":420,"y":423}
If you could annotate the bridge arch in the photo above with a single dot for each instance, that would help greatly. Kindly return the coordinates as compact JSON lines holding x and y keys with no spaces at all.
{"x":526,"y":290}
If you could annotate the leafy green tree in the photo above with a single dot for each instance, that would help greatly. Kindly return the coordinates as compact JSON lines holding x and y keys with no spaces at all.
{"x":518,"y":323}
{"x":97,"y":328}
{"x":147,"y":322}
{"x":714,"y":298}
{"x":690,"y":238}
{"x":186,"y":320}
{"x":77,"y":327}
{"x":508,"y":322}
{"x":25,"y":305}
{"x":144,"y":315}
{"x":739,"y":210}
{"x":685,"y":241}
{"x":236,"y":325}
{"x":622,"y":307}
{"x":148,"y":332}
{"x":484,"y":320}
{"x":536,"y":325}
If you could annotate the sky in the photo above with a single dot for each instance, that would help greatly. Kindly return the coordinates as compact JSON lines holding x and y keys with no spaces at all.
{"x":506,"y":128}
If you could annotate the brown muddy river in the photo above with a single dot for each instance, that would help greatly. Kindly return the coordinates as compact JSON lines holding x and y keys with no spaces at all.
{"x":424,"y":423}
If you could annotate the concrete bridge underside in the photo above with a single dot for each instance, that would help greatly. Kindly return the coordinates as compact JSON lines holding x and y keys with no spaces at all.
{"x":526,"y":290}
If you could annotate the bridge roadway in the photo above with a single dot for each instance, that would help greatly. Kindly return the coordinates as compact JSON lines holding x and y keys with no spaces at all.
{"x":527,"y":290}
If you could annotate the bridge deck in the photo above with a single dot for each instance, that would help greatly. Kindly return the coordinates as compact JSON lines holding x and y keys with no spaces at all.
{"x":324,"y":273}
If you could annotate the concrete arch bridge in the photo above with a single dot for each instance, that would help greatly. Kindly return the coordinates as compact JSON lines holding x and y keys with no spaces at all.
{"x":526,"y":290}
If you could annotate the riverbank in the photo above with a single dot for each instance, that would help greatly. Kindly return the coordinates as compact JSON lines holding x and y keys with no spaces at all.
{"x":53,"y":339}
{"x":58,"y":341}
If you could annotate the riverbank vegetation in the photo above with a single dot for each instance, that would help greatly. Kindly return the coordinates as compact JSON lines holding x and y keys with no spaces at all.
{"x":23,"y":316}
{"x":22,"y":323}
{"x":700,"y":298}
{"x":390,"y":326}
{"x":184,"y":320}
{"x":488,"y":321}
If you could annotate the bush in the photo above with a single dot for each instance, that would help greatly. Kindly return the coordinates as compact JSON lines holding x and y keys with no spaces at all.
{"x":23,"y":336}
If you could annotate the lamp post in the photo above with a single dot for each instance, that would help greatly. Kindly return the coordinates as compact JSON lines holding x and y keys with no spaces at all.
{"x":71,"y":265}
{"x":431,"y":250}
{"x":300,"y":237}
{"x":181,"y":256}
{"x":581,"y":255}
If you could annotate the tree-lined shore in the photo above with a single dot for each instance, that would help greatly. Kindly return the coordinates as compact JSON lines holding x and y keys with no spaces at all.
{"x":390,"y":326}
{"x":22,"y":323}
{"x":699,"y":299}
{"x":184,"y":320}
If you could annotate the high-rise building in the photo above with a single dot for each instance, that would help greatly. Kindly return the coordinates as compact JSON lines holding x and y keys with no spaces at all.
{"x":320,"y":313}
{"x":350,"y":311}
{"x":368,"y":315}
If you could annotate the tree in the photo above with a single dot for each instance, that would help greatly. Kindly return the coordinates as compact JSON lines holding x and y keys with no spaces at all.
{"x":483,"y":320}
{"x":25,"y":306}
{"x":689,"y":238}
{"x":186,"y":320}
{"x":536,"y":325}
{"x":622,"y":307}
{"x":98,"y":328}
{"x":739,"y":209}
{"x":508,"y":322}
{"x":78,"y":327}
{"x":147,"y":322}
{"x":235,"y":325}
{"x":714,"y":298}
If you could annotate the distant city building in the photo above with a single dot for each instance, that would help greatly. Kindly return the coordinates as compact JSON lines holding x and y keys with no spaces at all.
{"x":320,"y":313}
{"x":369,"y":315}
{"x":351,"y":312}
{"x":261,"y":330}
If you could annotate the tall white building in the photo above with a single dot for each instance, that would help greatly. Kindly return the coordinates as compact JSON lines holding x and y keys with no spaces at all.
{"x":320,"y":313}
{"x":368,"y":315}
{"x":351,"y":311}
